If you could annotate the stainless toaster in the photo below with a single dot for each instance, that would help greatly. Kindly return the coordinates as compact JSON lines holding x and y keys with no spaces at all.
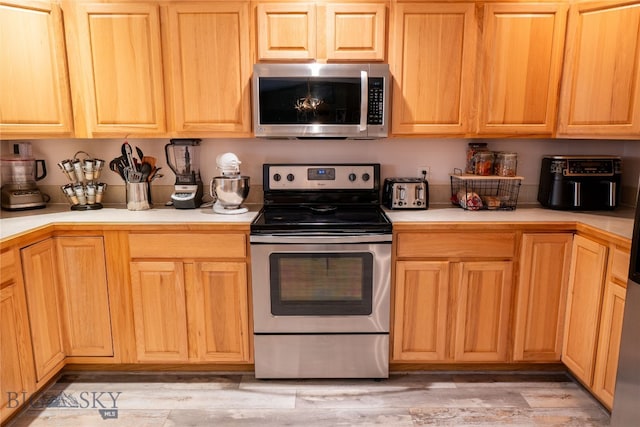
{"x":405,"y":193}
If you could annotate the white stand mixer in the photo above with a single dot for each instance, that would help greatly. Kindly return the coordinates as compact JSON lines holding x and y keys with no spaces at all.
{"x":230,"y":189}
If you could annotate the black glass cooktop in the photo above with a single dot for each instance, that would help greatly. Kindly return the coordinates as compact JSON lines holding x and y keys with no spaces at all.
{"x":321,"y":218}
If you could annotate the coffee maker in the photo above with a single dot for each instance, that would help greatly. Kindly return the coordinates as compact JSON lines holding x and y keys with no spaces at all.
{"x":183,"y":157}
{"x":20,"y":171}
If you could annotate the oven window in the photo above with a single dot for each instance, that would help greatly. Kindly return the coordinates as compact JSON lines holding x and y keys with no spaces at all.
{"x":321,"y":283}
{"x":313,"y":100}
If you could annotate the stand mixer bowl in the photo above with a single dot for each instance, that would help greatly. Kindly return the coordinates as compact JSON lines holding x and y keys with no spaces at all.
{"x":230,"y":191}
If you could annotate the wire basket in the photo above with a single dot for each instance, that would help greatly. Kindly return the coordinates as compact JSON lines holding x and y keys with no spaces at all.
{"x":475,"y":192}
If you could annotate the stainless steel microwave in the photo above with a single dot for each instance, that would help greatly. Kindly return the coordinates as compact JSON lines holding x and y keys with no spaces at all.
{"x":349,"y":101}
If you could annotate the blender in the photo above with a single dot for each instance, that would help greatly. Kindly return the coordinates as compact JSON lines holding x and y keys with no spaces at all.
{"x":183,"y":157}
{"x":19,"y":175}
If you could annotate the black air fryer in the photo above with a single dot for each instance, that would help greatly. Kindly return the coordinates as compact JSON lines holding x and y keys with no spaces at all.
{"x":585,"y":183}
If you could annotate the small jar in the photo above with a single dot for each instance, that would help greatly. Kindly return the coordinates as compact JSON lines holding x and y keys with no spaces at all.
{"x":473,"y":148}
{"x":506,"y":164}
{"x":483,"y":163}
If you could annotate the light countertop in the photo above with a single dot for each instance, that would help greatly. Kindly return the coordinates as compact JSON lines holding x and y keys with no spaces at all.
{"x":618,"y":222}
{"x":13,"y":223}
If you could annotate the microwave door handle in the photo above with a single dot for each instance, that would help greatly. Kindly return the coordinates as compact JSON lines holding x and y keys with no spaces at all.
{"x":364,"y":96}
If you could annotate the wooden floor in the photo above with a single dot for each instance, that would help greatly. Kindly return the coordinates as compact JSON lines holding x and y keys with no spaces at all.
{"x":413,"y":399}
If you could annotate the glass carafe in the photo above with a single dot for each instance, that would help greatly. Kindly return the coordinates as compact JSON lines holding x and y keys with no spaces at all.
{"x":183,"y":157}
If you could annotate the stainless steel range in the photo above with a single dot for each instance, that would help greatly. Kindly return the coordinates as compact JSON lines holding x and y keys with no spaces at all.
{"x":321,"y":256}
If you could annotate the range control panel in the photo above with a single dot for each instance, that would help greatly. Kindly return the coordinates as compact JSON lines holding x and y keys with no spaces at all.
{"x":316,"y":176}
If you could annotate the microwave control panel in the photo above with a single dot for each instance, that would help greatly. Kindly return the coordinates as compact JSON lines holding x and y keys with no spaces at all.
{"x":376,"y":101}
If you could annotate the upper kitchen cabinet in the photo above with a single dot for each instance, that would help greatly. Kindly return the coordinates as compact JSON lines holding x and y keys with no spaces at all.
{"x":208,"y":66}
{"x":34,"y":84}
{"x":432,"y":58}
{"x":323,"y":31}
{"x":600,"y":95}
{"x":521,"y":60}
{"x":115,"y":60}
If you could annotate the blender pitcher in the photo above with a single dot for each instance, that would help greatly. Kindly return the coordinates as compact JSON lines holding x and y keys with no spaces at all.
{"x":183,"y":157}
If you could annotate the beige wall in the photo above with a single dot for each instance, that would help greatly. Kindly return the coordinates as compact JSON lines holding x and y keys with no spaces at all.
{"x":398,"y":157}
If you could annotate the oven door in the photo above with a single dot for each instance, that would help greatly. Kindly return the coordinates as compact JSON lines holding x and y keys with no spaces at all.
{"x":321,"y":285}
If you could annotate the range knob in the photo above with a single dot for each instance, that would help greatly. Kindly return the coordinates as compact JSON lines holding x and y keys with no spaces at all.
{"x":352,"y":177}
{"x":290,"y":177}
{"x":365,"y":177}
{"x":277,"y":177}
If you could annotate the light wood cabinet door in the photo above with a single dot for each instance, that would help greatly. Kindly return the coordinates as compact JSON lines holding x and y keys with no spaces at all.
{"x":600,"y":95}
{"x":432,"y":59}
{"x":159,"y":311}
{"x":483,"y":308}
{"x":541,"y":297}
{"x":84,"y":296}
{"x":208,"y":63}
{"x":521,"y":59}
{"x":355,"y":31}
{"x":116,"y":64}
{"x":286,"y":31}
{"x":606,"y":367}
{"x":17,"y":375}
{"x":34,"y":85}
{"x":586,"y":281}
{"x":41,"y":286}
{"x":217,"y":309}
{"x":421,"y":311}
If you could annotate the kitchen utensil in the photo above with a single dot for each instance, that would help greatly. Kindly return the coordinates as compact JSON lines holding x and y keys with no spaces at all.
{"x":183,"y":157}
{"x":128,"y":155}
{"x":140,"y":153}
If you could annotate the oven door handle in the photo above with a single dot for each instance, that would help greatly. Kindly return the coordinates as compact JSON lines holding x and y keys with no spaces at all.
{"x":320,"y":239}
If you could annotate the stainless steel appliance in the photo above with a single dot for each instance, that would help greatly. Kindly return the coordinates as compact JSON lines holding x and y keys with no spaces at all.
{"x":321,"y":100}
{"x":321,"y":256}
{"x":183,"y":157}
{"x":20,"y":171}
{"x":580,"y":182}
{"x":230,"y":188}
{"x":405,"y":193}
{"x":626,"y":410}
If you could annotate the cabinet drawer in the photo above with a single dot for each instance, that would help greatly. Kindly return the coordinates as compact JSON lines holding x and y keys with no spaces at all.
{"x":187,"y":245}
{"x":619,"y":265}
{"x":474,"y":244}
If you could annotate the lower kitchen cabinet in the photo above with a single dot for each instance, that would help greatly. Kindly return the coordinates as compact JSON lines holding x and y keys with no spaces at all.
{"x":84,"y":296}
{"x":452,"y":310}
{"x":190,"y":298}
{"x":17,"y":374}
{"x":586,"y":281}
{"x":606,"y":365}
{"x":190,"y":311}
{"x":218,"y":311}
{"x":41,"y":285}
{"x":541,"y":296}
{"x":483,"y":307}
{"x":421,"y":311}
{"x":159,"y":311}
